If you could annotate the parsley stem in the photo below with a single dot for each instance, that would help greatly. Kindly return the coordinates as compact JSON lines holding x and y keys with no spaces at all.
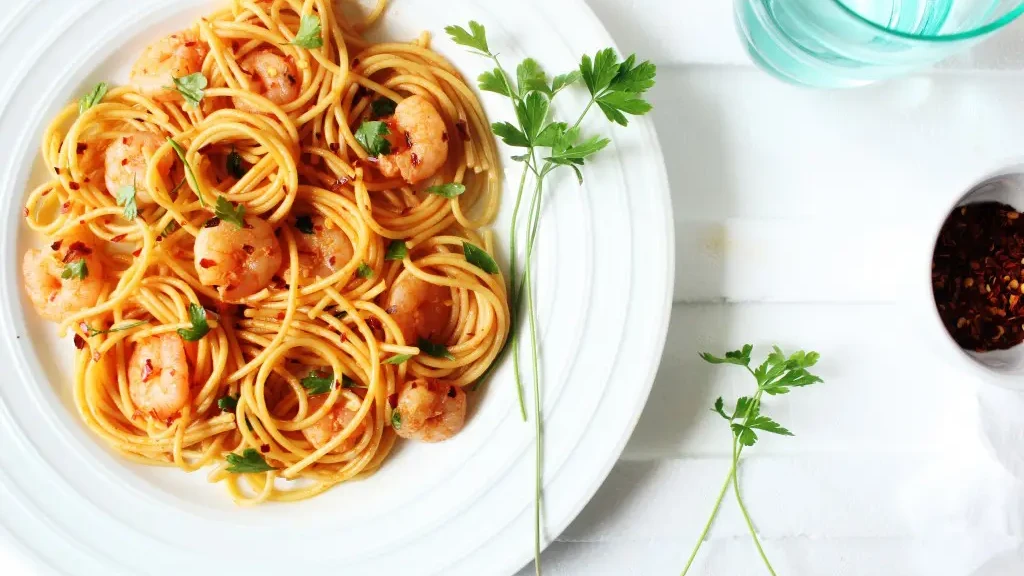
{"x":739,"y":500}
{"x":711,"y":519}
{"x":514,"y":310}
{"x":538,"y":427}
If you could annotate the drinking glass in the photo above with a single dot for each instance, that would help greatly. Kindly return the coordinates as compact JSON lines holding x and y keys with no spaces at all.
{"x":838,"y":43}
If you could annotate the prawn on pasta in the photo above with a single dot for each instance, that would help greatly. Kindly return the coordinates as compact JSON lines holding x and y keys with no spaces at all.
{"x":269,"y":247}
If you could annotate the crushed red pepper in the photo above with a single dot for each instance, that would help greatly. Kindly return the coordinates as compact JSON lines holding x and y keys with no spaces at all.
{"x":978,"y":276}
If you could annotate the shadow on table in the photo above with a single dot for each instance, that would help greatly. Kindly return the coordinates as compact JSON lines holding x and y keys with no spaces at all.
{"x":699,"y":167}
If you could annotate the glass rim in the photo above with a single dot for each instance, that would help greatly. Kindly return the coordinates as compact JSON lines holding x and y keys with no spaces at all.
{"x":967,"y":35}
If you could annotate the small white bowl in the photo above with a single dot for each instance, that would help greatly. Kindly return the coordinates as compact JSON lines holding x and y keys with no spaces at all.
{"x":1002,"y":367}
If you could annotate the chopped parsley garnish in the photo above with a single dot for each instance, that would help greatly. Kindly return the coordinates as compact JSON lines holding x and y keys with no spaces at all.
{"x":191,"y":88}
{"x":435,"y":350}
{"x":235,"y":166}
{"x":197,"y":316}
{"x":398,"y":359}
{"x":126,"y":198}
{"x":317,"y":384}
{"x":309,"y":35}
{"x":228,"y":212}
{"x":382,"y":107}
{"x":75,"y":270}
{"x":227,"y":403}
{"x":452,"y":190}
{"x":371,"y":136}
{"x":304,"y":223}
{"x":365,"y":271}
{"x":397,"y":250}
{"x":250,"y":462}
{"x":480,"y":258}
{"x":94,"y":97}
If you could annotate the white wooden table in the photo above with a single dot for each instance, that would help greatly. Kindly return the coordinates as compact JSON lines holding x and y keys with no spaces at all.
{"x":804,"y":218}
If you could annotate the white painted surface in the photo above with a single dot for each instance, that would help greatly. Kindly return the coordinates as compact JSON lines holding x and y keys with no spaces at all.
{"x":802,"y":218}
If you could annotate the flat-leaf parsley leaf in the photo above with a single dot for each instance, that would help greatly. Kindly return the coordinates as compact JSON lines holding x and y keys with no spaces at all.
{"x":197,"y":317}
{"x":191,"y":88}
{"x":371,"y":136}
{"x":250,"y":462}
{"x":309,"y":35}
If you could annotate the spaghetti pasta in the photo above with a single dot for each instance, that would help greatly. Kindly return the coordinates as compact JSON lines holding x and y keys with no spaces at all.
{"x":249,"y":286}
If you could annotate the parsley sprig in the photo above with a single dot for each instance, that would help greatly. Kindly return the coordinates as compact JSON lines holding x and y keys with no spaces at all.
{"x":617,"y":88}
{"x":778,"y":374}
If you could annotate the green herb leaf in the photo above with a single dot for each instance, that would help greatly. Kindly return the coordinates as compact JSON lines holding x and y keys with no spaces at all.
{"x":169,"y":229}
{"x":191,"y":88}
{"x":304,"y":224}
{"x":250,"y":462}
{"x":188,"y":168}
{"x":235,"y":166}
{"x":744,"y":434}
{"x":720,"y":408}
{"x":382,"y":107}
{"x":95,"y":331}
{"x":197,"y":316}
{"x":364,"y":271}
{"x":451,"y":190}
{"x":93,"y":97}
{"x":434,"y":350}
{"x":577,"y":154}
{"x":317,"y":384}
{"x":227,"y":403}
{"x":510,"y":134}
{"x":347,"y":382}
{"x":738,"y":357}
{"x":746,"y":407}
{"x":371,"y":136}
{"x":396,"y":420}
{"x":552,"y":134}
{"x":495,"y":81}
{"x":598,"y":73}
{"x":397,"y":250}
{"x":564,"y":81}
{"x":531,"y":77}
{"x":126,"y":197}
{"x":768,"y":425}
{"x":614,"y":104}
{"x":532,"y":111}
{"x":634,"y":79}
{"x":309,"y":34}
{"x":398,"y":359}
{"x":228,"y":212}
{"x":475,"y":37}
{"x":480,"y":258}
{"x":76,"y":270}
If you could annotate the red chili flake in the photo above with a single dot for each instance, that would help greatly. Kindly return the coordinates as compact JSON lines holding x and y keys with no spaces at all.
{"x":124,"y":162}
{"x":25,"y":212}
{"x":265,"y":448}
{"x":56,"y":245}
{"x":57,"y":170}
{"x":45,"y":192}
{"x":415,"y":159}
{"x":977,"y":276}
{"x":125,"y":140}
{"x":374,"y":323}
{"x":137,"y":253}
{"x":207,"y":263}
{"x":190,"y":43}
{"x":147,"y":369}
{"x":73,"y":185}
{"x":343,"y":181}
{"x":86,"y":180}
{"x":391,"y":309}
{"x":82,"y":147}
{"x":79,"y":342}
{"x":212,"y":222}
{"x":393,"y":400}
{"x":333,"y":146}
{"x":65,"y":208}
{"x":332,"y":260}
{"x":444,"y":136}
{"x":280,"y":315}
{"x":463,"y":131}
{"x":408,"y":139}
{"x":95,"y":356}
{"x":248,"y":249}
{"x":119,"y":238}
{"x":451,"y":392}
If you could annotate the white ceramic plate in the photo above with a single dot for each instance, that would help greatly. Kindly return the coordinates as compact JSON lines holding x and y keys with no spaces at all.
{"x":605,"y":270}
